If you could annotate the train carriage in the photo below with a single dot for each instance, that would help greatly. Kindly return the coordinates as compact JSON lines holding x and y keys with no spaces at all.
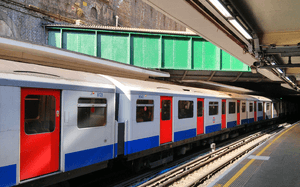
{"x":58,"y":124}
{"x":47,"y":133}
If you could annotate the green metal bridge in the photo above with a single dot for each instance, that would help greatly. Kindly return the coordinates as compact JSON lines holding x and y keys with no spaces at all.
{"x":145,"y":48}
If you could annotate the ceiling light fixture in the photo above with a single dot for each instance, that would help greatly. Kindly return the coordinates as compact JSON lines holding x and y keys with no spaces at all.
{"x":280,"y":71}
{"x":288,"y":79}
{"x":220,"y":8}
{"x":240,"y":28}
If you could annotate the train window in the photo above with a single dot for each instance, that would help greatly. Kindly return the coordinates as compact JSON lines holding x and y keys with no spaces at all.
{"x":243,"y":107}
{"x":268,"y":106}
{"x":231,"y":107}
{"x":238,"y":107}
{"x":39,"y":114}
{"x":223,"y":107}
{"x":91,"y":112}
{"x":165,"y":110}
{"x":255,"y":107}
{"x":199,"y":109}
{"x":250,"y":107}
{"x":259,"y":106}
{"x":144,"y":110}
{"x":213,"y":108}
{"x":185,"y":109}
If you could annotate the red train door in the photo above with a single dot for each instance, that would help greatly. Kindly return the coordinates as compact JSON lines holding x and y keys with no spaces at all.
{"x":165,"y":119}
{"x":40,"y":129}
{"x":255,"y":111}
{"x":223,"y":113}
{"x":200,"y":116}
{"x":238,"y":118}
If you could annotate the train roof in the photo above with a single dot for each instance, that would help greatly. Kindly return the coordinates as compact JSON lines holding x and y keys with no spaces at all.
{"x":133,"y":86}
{"x":29,"y":75}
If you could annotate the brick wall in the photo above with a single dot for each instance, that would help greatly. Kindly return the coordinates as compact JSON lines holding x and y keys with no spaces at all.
{"x":18,"y":20}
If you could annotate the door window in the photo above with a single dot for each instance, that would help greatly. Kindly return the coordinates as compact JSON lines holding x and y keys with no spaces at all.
{"x":165,"y":110}
{"x":223,"y":107}
{"x":39,"y":114}
{"x":199,"y":109}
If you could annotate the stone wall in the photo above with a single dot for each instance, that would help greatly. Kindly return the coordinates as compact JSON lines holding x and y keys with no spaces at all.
{"x":19,"y":20}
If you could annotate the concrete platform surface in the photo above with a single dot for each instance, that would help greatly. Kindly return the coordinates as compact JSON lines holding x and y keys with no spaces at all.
{"x":274,"y":163}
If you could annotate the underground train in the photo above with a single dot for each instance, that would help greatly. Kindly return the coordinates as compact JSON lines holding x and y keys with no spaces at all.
{"x":56,"y":124}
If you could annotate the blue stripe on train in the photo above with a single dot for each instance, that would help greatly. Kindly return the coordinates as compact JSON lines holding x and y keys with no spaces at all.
{"x":212,"y":128}
{"x":244,"y":121}
{"x":141,"y":144}
{"x":88,"y":157}
{"x":8,"y":175}
{"x":260,"y":118}
{"x":181,"y":135}
{"x":251,"y":120}
{"x":231,"y":124}
{"x":116,"y":149}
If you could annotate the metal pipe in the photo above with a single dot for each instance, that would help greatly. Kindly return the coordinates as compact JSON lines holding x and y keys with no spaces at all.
{"x":117,"y":21}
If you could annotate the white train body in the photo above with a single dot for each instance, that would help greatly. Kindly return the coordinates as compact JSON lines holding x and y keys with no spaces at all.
{"x":55,"y":122}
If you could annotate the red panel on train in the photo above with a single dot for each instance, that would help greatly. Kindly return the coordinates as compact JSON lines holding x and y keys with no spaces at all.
{"x":165,"y":119}
{"x":238,"y":122}
{"x":200,"y":116}
{"x":223,"y":113}
{"x":40,"y":130}
{"x":255,"y":111}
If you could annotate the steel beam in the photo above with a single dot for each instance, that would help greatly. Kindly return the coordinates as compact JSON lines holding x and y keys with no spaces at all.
{"x":280,"y":66}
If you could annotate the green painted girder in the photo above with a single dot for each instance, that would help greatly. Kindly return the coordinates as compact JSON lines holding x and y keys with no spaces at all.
{"x":148,"y":50}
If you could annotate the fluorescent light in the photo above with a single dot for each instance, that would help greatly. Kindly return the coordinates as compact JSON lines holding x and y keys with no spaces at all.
{"x":288,"y":79}
{"x":280,"y":71}
{"x":221,"y":8}
{"x":240,"y":28}
{"x":273,"y":63}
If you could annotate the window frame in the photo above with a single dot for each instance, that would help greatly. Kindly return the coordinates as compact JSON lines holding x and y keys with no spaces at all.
{"x":209,"y":109}
{"x":230,"y":108}
{"x":90,"y":105}
{"x":144,"y":105}
{"x":251,"y":104}
{"x":192,"y":105}
{"x":244,"y":106}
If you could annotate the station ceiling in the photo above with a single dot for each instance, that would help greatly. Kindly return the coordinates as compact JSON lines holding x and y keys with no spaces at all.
{"x":271,"y":48}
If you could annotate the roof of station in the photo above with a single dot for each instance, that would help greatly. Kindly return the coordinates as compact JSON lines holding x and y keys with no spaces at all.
{"x":127,"y":29}
{"x":258,"y":31}
{"x":23,"y":51}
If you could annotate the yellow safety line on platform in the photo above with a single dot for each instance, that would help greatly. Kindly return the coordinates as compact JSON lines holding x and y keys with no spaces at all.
{"x":252,"y":160}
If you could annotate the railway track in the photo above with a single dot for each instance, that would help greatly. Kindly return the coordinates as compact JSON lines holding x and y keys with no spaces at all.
{"x":203,"y":167}
{"x":198,"y":169}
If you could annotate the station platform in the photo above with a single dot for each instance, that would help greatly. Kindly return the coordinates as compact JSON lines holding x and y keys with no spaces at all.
{"x":274,"y":163}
